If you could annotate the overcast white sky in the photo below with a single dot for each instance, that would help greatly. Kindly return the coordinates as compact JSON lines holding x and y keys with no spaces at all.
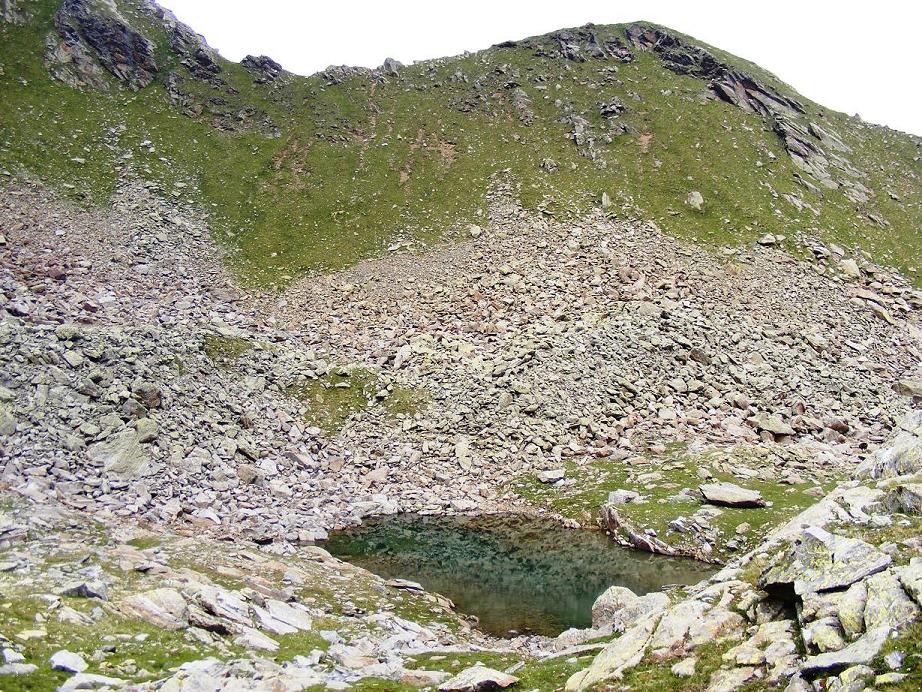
{"x":851,"y":55}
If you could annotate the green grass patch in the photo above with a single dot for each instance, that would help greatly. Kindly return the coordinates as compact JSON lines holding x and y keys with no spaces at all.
{"x":658,"y":677}
{"x":225,"y":350}
{"x":909,"y":642}
{"x":145,"y":542}
{"x":135,"y":645}
{"x":332,"y":399}
{"x":660,"y":481}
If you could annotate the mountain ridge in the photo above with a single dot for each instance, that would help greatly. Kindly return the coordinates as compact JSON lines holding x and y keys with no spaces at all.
{"x":299,"y":179}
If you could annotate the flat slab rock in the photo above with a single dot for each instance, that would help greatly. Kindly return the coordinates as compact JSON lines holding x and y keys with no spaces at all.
{"x":861,"y":652}
{"x":477,"y":679}
{"x":821,"y":561}
{"x":552,"y":476}
{"x":730,"y":495}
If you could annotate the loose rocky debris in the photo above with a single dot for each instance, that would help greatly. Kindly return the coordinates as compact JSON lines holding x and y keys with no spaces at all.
{"x":138,"y":380}
{"x":123,"y":604}
{"x":176,"y":408}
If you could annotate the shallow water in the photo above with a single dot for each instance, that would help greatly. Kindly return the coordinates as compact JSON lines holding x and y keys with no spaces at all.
{"x":516,"y":574}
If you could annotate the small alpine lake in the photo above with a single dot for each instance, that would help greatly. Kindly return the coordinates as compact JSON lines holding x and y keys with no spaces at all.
{"x":517,"y":574}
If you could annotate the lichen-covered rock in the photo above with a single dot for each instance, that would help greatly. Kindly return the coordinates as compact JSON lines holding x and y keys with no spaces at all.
{"x":851,"y":605}
{"x":887,"y":604}
{"x":902,"y":456}
{"x":619,"y":607}
{"x":122,"y":455}
{"x":691,"y":624}
{"x":910,"y":577}
{"x":163,"y":607}
{"x":622,"y":653}
{"x":904,"y":495}
{"x":824,"y":635}
{"x":860,"y":652}
{"x":731,"y":679}
{"x":821,"y":561}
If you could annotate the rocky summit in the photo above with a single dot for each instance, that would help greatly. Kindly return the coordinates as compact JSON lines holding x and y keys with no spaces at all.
{"x":608,"y":276}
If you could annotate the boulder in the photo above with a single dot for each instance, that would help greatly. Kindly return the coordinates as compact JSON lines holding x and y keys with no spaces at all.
{"x":904,"y":495}
{"x":850,"y":268}
{"x":121,"y":455}
{"x":685,"y":668}
{"x":250,"y":638}
{"x":164,"y":607}
{"x":821,"y":561}
{"x":887,"y":604}
{"x":771,"y":422}
{"x":730,"y":495}
{"x":731,"y":679}
{"x":850,"y":607}
{"x":87,"y":589}
{"x":689,"y":624}
{"x":621,"y":527}
{"x":861,"y":652}
{"x":223,"y":604}
{"x":552,"y":476}
{"x":621,"y":654}
{"x":90,"y":681}
{"x":902,"y":456}
{"x":910,"y":577}
{"x":622,"y":497}
{"x":909,"y":387}
{"x":67,"y":661}
{"x":477,"y":679}
{"x":619,"y":607}
{"x":695,"y":200}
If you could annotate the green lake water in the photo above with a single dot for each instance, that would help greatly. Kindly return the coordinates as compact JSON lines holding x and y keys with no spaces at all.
{"x":516,"y":574}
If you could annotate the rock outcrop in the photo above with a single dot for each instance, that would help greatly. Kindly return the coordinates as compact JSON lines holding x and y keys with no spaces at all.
{"x":815,"y":150}
{"x":93,"y":37}
{"x":847,"y":598}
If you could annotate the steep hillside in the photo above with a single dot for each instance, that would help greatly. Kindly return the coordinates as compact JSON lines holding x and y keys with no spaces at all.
{"x":309,"y":173}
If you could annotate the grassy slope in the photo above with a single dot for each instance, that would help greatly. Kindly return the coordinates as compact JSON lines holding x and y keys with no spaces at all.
{"x":360,"y":165}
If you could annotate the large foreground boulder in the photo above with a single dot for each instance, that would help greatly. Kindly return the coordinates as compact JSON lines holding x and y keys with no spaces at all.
{"x":821,"y":561}
{"x":902,"y":456}
{"x":619,"y":607}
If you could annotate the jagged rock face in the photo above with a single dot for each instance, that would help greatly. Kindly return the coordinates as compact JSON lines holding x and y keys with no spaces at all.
{"x":816,"y":151}
{"x":727,"y":83}
{"x":576,"y":45}
{"x":337,"y":74}
{"x":92,"y":36}
{"x":579,"y":45}
{"x":264,"y":68}
{"x":197,"y":56}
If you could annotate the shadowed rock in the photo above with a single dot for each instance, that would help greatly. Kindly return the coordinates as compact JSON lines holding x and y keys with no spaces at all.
{"x":91,"y":35}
